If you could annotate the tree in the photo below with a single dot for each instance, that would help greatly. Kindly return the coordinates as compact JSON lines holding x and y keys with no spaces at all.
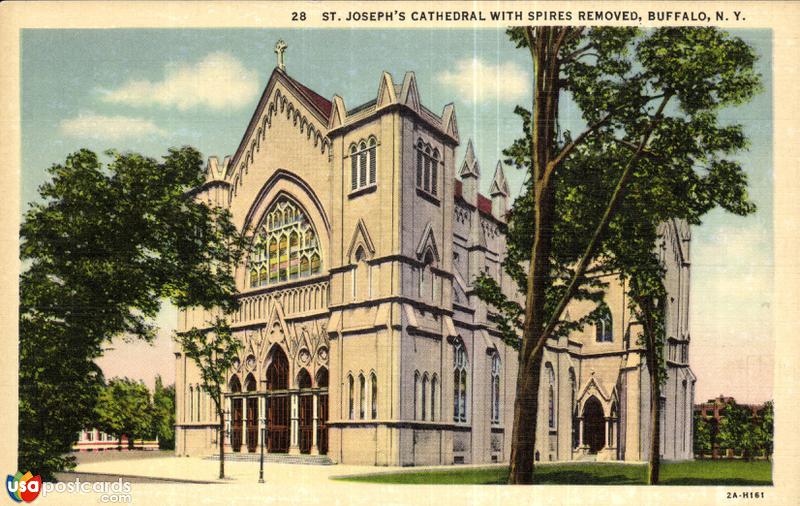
{"x":102,"y":248}
{"x":164,"y":414}
{"x":765,"y":429}
{"x":124,"y":408}
{"x":213,"y":351}
{"x":702,"y":435}
{"x":737,"y":430}
{"x":644,"y":97}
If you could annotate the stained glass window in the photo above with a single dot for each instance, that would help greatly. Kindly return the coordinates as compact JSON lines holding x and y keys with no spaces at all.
{"x":286,"y":247}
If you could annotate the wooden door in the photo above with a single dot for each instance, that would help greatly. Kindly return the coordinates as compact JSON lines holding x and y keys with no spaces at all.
{"x":278,"y":424}
{"x":322,"y":427}
{"x":236,"y":429}
{"x":306,"y":422}
{"x":252,"y":424}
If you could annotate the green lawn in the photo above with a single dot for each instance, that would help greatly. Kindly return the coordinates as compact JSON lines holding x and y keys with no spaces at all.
{"x":672,"y":473}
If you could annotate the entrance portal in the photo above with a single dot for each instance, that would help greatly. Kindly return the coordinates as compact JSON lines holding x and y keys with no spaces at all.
{"x":594,"y":433}
{"x":278,"y":402}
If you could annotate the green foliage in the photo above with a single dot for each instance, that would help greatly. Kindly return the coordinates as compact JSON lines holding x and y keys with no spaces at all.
{"x":163,"y":424}
{"x":124,"y":408}
{"x":104,"y":246}
{"x":738,"y":430}
{"x":702,"y":435}
{"x":213,"y":351}
{"x":765,"y":429}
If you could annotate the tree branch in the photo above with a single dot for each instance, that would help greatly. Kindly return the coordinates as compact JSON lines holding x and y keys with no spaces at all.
{"x":616,"y":198}
{"x":634,"y":147}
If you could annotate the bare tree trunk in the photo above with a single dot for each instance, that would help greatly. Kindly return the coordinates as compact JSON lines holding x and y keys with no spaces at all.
{"x":221,"y":440}
{"x":654,"y":463}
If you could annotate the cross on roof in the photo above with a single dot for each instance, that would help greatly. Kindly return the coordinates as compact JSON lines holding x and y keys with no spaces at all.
{"x":280,"y":47}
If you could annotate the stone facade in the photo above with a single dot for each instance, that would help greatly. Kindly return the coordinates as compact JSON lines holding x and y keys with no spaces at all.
{"x":363,"y":339}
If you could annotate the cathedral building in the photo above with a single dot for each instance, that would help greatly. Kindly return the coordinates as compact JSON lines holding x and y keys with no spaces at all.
{"x":362,"y":337}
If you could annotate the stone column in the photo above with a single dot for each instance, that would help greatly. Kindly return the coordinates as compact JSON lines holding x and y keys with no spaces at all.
{"x":294,"y":427}
{"x":580,"y":431}
{"x":314,"y":443}
{"x":608,"y":433}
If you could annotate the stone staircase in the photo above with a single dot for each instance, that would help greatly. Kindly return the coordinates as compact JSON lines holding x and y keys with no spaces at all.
{"x":589,"y":457}
{"x":277,"y":458}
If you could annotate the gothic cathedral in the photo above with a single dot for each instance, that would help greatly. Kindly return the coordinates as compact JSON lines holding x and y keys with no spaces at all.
{"x":362,"y":338}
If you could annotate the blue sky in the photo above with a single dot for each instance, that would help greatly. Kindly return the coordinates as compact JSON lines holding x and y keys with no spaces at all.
{"x":148,"y":90}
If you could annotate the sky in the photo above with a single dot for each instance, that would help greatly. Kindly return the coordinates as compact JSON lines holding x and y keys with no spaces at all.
{"x":148,"y":90}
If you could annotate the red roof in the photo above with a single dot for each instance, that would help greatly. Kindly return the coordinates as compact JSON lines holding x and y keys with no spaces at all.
{"x":321,"y":103}
{"x":484,"y":204}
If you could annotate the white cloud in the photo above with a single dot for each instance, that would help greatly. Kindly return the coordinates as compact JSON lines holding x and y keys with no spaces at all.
{"x":478,"y":81}
{"x":218,"y":81}
{"x":97,"y":126}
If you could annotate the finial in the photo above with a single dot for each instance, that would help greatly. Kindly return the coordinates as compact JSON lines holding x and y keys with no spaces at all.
{"x":280,"y":47}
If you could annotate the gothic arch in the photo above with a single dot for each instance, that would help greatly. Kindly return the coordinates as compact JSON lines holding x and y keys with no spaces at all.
{"x":428,"y":243}
{"x":361,"y":238}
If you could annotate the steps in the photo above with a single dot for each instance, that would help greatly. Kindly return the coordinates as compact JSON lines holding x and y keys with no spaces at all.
{"x":276,"y":458}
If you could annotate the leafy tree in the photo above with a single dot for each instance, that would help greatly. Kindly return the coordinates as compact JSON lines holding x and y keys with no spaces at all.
{"x":164,"y":414}
{"x":765,"y":429}
{"x":737,"y":430}
{"x":702,"y":435}
{"x":125,"y":408}
{"x":102,"y":248}
{"x":213,"y":351}
{"x":650,"y":102}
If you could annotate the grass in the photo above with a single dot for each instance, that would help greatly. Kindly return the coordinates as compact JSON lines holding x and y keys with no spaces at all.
{"x":672,"y":473}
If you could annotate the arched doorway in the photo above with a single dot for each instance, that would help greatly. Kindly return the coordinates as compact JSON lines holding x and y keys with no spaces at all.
{"x":278,"y":402}
{"x":237,"y":418}
{"x":322,"y":413}
{"x":594,"y":429}
{"x":306,"y":411}
{"x":252,"y":414}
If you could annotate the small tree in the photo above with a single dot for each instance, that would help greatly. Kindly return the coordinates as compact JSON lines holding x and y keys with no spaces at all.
{"x":765,"y":428}
{"x":124,"y":408}
{"x":164,"y":414}
{"x":737,"y":431}
{"x":702,"y":435}
{"x":213,"y":351}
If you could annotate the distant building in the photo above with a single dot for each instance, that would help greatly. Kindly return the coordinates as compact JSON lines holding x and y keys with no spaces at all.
{"x":96,"y":440}
{"x":712,"y":409}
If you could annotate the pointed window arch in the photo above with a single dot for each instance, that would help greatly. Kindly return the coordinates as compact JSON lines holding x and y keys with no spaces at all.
{"x":350,"y":399}
{"x":427,"y":168}
{"x":363,"y":163}
{"x":362,"y":396}
{"x":551,"y":399}
{"x":495,"y":386}
{"x":434,"y":385}
{"x":287,"y":248}
{"x":604,"y":328}
{"x":416,"y":395}
{"x":424,"y":397}
{"x":373,"y":381}
{"x":459,"y":381}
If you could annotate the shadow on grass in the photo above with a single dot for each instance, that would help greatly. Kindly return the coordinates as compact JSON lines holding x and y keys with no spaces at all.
{"x":714,"y":481}
{"x":584,"y":478}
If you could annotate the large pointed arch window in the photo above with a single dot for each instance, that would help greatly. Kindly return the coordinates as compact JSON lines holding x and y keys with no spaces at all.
{"x":604,"y":329}
{"x":286,"y":247}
